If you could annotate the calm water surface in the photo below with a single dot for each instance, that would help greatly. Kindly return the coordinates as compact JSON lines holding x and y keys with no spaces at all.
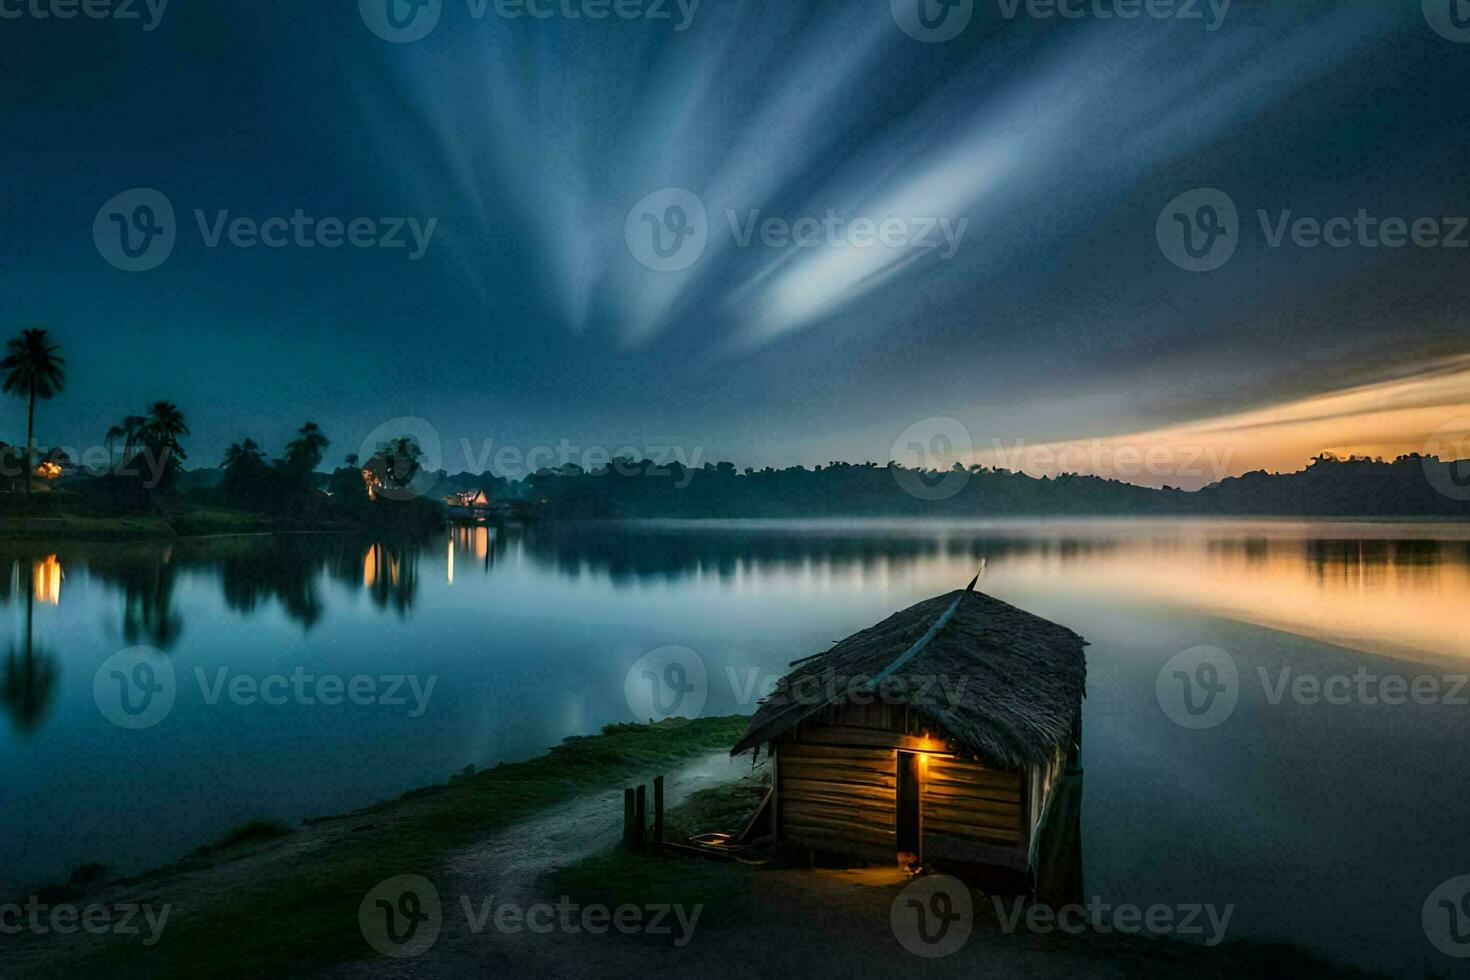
{"x":1326,"y":825}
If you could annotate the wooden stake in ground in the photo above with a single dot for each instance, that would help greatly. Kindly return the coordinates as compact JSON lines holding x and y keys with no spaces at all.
{"x":658,"y":814}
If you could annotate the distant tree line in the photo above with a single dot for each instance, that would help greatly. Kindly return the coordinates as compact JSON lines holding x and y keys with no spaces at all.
{"x":1409,"y":486}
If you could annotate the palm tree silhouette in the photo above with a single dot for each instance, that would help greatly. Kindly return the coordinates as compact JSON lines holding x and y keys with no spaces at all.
{"x":33,"y":370}
{"x":161,"y":432}
{"x":304,"y":453}
{"x":28,"y":680}
{"x":128,"y":432}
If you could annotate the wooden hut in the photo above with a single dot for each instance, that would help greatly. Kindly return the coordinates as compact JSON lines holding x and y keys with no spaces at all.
{"x":935,"y":737}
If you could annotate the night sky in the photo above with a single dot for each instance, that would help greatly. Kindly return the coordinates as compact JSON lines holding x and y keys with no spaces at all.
{"x":1055,"y":143}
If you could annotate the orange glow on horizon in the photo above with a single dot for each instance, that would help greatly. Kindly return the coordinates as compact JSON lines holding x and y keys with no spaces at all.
{"x":1428,"y":413}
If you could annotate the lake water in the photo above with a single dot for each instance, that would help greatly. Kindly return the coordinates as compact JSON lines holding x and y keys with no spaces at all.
{"x":299,"y":669}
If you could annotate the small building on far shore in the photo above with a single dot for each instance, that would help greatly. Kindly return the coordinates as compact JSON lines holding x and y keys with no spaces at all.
{"x":937,"y":736}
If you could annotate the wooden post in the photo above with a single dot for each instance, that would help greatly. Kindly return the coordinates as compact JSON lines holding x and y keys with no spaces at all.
{"x":640,"y":820}
{"x":628,"y":819}
{"x":658,"y":814}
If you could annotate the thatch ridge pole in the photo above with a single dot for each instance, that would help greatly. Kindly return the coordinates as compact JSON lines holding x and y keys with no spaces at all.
{"x":923,"y":641}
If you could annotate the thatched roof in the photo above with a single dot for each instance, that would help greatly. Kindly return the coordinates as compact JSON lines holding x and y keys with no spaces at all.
{"x":1009,"y":684}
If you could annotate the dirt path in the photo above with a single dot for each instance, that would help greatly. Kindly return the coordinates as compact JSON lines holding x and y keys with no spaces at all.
{"x":512,"y":867}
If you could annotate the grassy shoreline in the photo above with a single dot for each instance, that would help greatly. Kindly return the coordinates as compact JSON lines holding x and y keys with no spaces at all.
{"x":186,"y":524}
{"x":289,"y":904}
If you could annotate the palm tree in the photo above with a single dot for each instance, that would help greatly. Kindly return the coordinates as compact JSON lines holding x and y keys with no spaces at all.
{"x":33,"y":370}
{"x":161,"y":432}
{"x":304,"y":453}
{"x":245,"y":455}
{"x":245,"y":468}
{"x":128,"y":431}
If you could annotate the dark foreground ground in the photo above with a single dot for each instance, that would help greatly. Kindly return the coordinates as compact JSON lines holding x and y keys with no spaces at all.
{"x":516,"y":871}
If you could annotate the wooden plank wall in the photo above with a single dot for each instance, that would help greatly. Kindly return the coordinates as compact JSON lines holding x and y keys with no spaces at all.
{"x":838,"y":798}
{"x":968,"y":801}
{"x":837,"y":792}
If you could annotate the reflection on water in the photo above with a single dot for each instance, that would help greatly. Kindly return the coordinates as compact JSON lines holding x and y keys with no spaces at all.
{"x":47,"y":573}
{"x":531,"y":631}
{"x":28,"y":680}
{"x":1391,"y":589}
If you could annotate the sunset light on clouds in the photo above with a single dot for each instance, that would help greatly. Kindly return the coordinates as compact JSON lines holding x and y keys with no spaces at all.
{"x":1426,"y":411}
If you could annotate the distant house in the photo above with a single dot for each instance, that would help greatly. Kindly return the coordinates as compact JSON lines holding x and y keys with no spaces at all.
{"x":937,"y":736}
{"x":471,"y":499}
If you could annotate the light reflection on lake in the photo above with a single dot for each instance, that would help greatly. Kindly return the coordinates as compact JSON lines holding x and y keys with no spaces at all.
{"x":1321,"y":823}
